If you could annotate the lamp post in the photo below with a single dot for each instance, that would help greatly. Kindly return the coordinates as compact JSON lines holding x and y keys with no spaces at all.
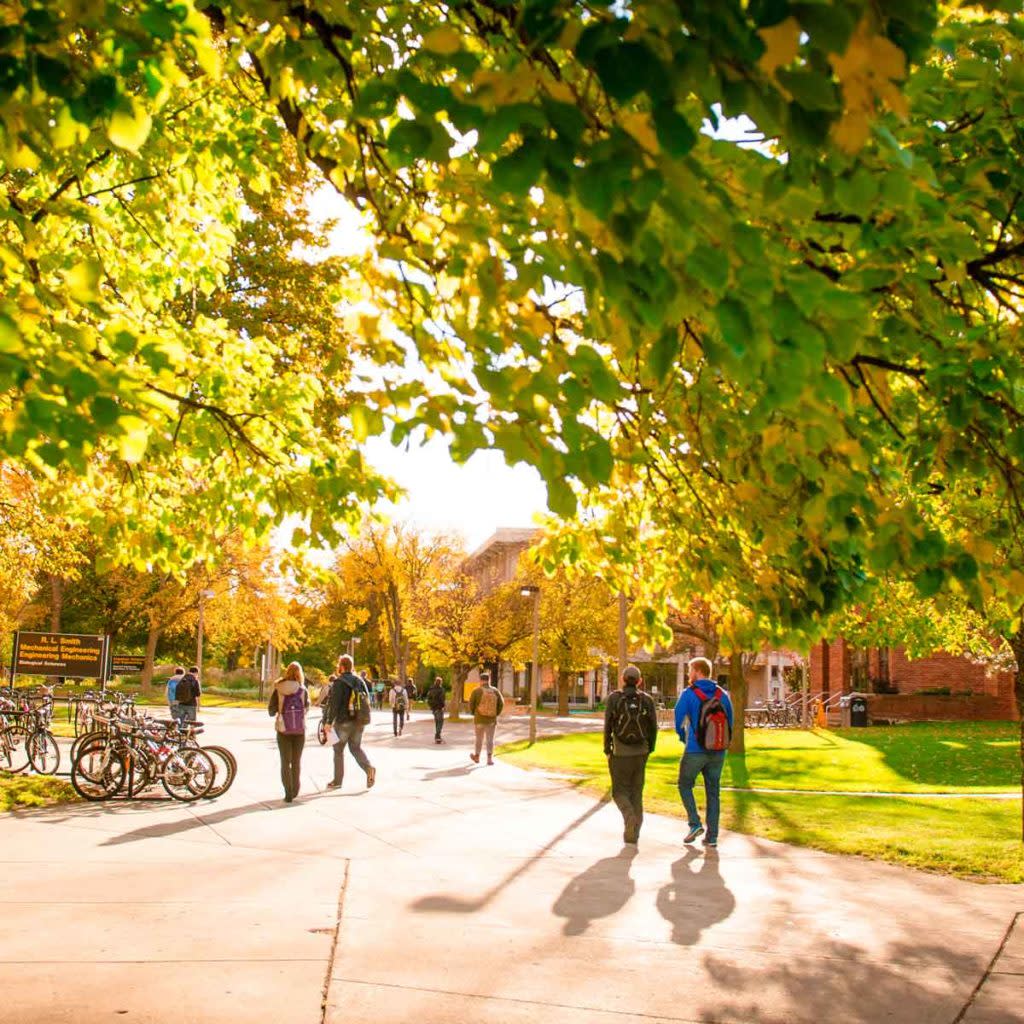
{"x":528,"y":591}
{"x":203,"y":595}
{"x":352,"y":641}
{"x":623,"y":613}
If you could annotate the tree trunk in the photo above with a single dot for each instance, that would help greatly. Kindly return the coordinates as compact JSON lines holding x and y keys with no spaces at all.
{"x":147,"y":669}
{"x":738,"y":696}
{"x":56,"y":602}
{"x":231,"y":661}
{"x":459,"y":674}
{"x":1017,"y":645}
{"x":563,"y":692}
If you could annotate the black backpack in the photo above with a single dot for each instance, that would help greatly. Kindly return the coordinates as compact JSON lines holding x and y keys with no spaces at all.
{"x":628,"y":725}
{"x":188,"y":689}
{"x":361,"y":703}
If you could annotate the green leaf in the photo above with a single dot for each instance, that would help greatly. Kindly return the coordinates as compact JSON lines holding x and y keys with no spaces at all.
{"x":734,"y":323}
{"x":130,"y":126}
{"x":675,"y":135}
{"x":408,"y":141}
{"x":663,"y":354}
{"x":518,"y":172}
{"x":627,"y":69}
{"x":710,"y":266}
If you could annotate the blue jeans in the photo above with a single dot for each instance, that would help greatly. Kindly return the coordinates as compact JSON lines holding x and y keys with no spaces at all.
{"x":186,"y":713}
{"x":710,"y":765}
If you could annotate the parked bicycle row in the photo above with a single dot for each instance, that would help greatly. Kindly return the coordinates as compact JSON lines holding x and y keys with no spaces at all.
{"x":127,"y":753}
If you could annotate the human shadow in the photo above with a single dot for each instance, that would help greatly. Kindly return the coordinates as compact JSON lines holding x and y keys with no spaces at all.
{"x":166,"y":829}
{"x":695,"y":900}
{"x":600,"y":891}
{"x":451,"y":773}
{"x":445,"y":903}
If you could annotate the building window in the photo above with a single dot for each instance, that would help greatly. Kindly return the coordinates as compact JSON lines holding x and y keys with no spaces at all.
{"x":884,"y":658}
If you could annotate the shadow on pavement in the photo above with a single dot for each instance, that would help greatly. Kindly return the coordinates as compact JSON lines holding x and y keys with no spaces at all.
{"x":461,"y":905}
{"x":600,"y":891}
{"x":451,"y":773}
{"x":172,"y":828}
{"x":695,"y":900}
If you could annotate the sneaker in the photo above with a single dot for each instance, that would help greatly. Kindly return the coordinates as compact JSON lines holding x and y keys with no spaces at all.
{"x":713,"y":843}
{"x":697,"y":830}
{"x":475,"y":758}
{"x":437,"y":739}
{"x":333,"y":785}
{"x":490,"y":760}
{"x":371,"y":777}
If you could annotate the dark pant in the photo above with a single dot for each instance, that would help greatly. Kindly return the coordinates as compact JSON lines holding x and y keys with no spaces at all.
{"x":709,"y":765}
{"x":438,"y":722}
{"x":398,"y":719}
{"x":290,"y":749}
{"x":351,"y":734}
{"x":627,"y":772}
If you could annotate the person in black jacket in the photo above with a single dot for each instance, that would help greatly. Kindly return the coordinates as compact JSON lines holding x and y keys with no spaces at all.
{"x":630,"y":735}
{"x":435,"y":701}
{"x":349,"y":695}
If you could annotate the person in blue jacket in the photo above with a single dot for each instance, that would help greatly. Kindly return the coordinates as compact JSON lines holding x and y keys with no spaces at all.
{"x":697,"y":760}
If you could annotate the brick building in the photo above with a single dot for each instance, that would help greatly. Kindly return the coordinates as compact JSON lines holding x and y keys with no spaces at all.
{"x":905,"y":690}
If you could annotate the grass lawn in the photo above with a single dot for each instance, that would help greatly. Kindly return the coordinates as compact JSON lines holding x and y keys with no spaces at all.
{"x":33,"y":791}
{"x":973,"y":838}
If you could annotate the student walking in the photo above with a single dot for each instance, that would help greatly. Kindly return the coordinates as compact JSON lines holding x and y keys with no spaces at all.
{"x":347,"y":715}
{"x":486,"y":704}
{"x":188,"y":693}
{"x":704,"y":723}
{"x":435,"y":701}
{"x":289,"y":701}
{"x":399,"y":700}
{"x":172,"y":692}
{"x":630,"y":735}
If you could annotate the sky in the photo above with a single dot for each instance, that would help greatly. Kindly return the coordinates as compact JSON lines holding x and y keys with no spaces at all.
{"x":471,"y":499}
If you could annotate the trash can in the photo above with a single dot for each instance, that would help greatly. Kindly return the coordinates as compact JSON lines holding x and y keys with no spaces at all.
{"x":844,"y":712}
{"x":858,"y":712}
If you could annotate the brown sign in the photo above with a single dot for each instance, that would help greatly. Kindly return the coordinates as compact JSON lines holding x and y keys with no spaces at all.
{"x":77,"y":655}
{"x":126,"y":664}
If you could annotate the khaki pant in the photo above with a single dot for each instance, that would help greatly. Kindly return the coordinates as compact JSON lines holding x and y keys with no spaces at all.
{"x":484,"y":733}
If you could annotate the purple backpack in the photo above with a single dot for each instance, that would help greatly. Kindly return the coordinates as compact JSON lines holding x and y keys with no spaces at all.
{"x":293,"y":713}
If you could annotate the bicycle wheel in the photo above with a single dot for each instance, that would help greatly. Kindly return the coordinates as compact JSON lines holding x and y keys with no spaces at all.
{"x":321,"y":733}
{"x":188,"y":774}
{"x":226,"y":768}
{"x":14,"y":748}
{"x":99,"y":772}
{"x":43,"y":752}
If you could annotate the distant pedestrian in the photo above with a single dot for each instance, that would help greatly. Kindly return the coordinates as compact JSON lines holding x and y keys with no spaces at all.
{"x":704,"y":722}
{"x":289,"y":700}
{"x":172,"y":692}
{"x":347,"y":715}
{"x":486,"y":704}
{"x":188,"y":693}
{"x":630,"y":735}
{"x":435,"y":701}
{"x":399,"y":700}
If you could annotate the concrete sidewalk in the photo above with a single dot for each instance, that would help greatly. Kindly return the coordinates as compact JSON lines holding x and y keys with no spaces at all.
{"x":462,"y":893}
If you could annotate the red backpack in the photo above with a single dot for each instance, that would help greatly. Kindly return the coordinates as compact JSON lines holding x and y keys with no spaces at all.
{"x":713,"y":732}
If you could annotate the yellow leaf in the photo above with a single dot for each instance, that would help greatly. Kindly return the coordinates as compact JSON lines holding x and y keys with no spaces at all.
{"x":772,"y":435}
{"x":130,"y":129}
{"x":134,"y":439}
{"x":442,"y":40}
{"x":83,"y":281}
{"x":781,"y":42}
{"x":851,"y":132}
{"x":639,"y":125}
{"x":746,"y":491}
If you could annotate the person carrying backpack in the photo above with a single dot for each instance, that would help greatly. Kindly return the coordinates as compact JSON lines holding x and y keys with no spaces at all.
{"x":288,"y":703}
{"x":399,"y":700}
{"x":630,"y":736}
{"x":187,"y":695}
{"x":704,"y":723}
{"x":435,"y":701}
{"x":347,"y":715}
{"x":172,"y":692}
{"x":486,"y":704}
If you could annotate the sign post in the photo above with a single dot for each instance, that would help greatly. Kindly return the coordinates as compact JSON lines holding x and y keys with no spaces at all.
{"x":74,"y":655}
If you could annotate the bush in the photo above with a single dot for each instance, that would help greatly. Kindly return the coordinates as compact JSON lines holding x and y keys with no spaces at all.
{"x":936,"y":691}
{"x":314,"y":676}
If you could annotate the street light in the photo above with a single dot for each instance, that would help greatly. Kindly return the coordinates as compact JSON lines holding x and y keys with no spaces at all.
{"x":203,"y":594}
{"x":528,"y":591}
{"x":352,"y":641}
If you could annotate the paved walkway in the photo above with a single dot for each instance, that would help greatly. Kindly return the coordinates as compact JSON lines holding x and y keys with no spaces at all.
{"x":460,"y":894}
